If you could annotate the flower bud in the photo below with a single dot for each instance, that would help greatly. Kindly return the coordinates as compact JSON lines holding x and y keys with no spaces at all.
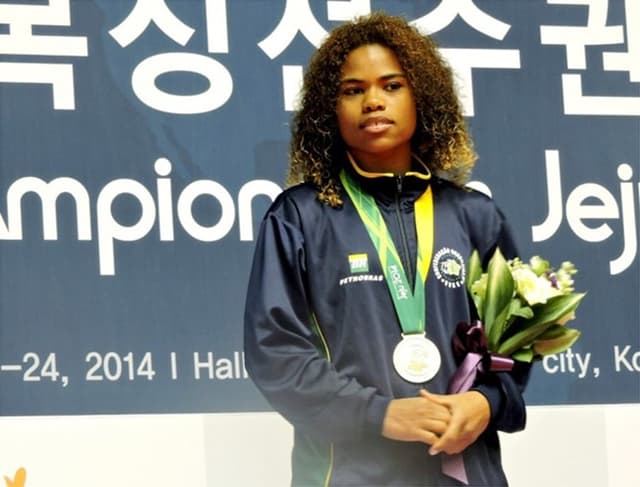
{"x":539,"y":265}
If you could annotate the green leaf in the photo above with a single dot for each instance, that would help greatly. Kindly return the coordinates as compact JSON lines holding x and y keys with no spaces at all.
{"x":479,"y":302}
{"x":545,"y":316}
{"x":555,"y":309}
{"x":554,"y":331}
{"x":500,"y":323}
{"x":498,"y":297}
{"x":555,"y":340}
{"x":523,"y":355}
{"x":474,"y":275}
{"x":516,"y":309}
{"x":474,"y":270}
{"x":523,"y":338}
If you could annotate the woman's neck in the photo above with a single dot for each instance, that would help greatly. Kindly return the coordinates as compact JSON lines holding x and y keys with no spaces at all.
{"x":396,"y":163}
{"x":418,"y":168}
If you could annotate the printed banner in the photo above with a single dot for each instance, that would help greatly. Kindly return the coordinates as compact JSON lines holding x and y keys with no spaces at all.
{"x":141,"y":142}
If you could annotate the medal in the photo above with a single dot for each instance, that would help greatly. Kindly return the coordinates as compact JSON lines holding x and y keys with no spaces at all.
{"x":416,"y":358}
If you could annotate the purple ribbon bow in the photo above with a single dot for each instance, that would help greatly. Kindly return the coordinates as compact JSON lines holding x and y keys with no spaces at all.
{"x":470,"y":349}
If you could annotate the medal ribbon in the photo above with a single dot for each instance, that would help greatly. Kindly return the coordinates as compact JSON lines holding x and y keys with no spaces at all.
{"x":410,"y":306}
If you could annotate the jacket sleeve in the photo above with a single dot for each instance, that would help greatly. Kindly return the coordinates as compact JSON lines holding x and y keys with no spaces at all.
{"x":285,"y":352}
{"x":503,"y":390}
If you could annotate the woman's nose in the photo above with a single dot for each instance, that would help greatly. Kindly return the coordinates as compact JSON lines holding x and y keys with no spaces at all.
{"x":373,"y":102}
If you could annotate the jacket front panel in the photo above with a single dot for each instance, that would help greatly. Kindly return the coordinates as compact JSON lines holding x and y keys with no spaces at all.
{"x":323,"y":355}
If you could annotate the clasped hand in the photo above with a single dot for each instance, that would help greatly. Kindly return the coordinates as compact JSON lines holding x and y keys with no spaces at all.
{"x":449,"y":423}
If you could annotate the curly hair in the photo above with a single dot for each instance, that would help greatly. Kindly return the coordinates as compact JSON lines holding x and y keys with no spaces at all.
{"x":441,"y":139}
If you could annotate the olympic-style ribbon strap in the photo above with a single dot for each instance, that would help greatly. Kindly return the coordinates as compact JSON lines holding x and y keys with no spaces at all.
{"x":469,"y":344}
{"x":410,"y":307}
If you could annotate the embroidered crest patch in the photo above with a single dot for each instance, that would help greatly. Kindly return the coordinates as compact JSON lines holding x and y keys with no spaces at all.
{"x":448,"y":267}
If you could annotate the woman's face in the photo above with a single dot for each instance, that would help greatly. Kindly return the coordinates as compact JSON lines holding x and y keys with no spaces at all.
{"x":376,"y":110}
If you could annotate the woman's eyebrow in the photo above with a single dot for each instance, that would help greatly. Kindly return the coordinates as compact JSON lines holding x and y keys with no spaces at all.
{"x":393,"y":75}
{"x":383,"y":77}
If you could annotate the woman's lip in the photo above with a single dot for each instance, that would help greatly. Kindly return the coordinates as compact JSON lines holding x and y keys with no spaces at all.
{"x":377,"y":128}
{"x":376,"y":124}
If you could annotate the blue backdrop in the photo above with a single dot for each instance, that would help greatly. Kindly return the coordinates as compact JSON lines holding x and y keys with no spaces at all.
{"x":141,"y":142}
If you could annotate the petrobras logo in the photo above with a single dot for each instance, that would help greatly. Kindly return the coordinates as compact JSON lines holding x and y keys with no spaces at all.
{"x":361,"y":278}
{"x":157,"y":209}
{"x":358,"y":263}
{"x":448,"y":267}
{"x":19,"y":479}
{"x":359,"y":268}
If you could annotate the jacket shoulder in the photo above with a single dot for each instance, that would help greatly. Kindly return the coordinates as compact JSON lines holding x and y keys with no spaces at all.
{"x":292,"y":202}
{"x":300,"y":195}
{"x":485,"y":223}
{"x":467,"y":195}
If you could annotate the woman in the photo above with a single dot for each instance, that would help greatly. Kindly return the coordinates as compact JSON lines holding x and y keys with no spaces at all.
{"x":358,"y":277}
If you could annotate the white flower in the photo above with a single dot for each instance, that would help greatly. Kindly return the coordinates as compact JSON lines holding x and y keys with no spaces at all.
{"x":532,"y":288}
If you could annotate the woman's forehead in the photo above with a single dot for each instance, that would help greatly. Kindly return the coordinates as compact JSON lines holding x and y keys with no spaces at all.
{"x":370,"y":57}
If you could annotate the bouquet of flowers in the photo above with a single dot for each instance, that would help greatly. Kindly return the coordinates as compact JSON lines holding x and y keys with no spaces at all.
{"x":524,"y":307}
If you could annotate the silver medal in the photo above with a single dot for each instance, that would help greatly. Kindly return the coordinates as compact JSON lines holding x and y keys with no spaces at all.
{"x":416,"y":358}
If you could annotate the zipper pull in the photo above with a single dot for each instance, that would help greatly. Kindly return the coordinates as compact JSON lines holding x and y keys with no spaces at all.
{"x":399,"y":183}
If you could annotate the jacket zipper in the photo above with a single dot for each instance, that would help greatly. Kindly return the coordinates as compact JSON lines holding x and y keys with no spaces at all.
{"x":406,"y":263}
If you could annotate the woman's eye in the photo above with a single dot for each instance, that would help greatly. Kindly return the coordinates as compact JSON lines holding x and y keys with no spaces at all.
{"x":394,"y":85}
{"x":353,"y":90}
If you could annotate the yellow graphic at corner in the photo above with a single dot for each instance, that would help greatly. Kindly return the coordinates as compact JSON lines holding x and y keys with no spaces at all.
{"x":19,"y":479}
{"x":358,"y":263}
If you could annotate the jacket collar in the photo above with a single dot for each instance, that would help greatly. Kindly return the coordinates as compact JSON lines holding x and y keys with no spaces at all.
{"x":387,"y":187}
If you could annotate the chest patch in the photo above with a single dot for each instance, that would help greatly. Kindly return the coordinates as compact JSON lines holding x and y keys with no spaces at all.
{"x":359,"y":270}
{"x":358,"y":263}
{"x":449,"y":267}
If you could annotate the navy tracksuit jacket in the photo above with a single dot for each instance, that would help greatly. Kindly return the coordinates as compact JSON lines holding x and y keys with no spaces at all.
{"x":320,"y":334}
